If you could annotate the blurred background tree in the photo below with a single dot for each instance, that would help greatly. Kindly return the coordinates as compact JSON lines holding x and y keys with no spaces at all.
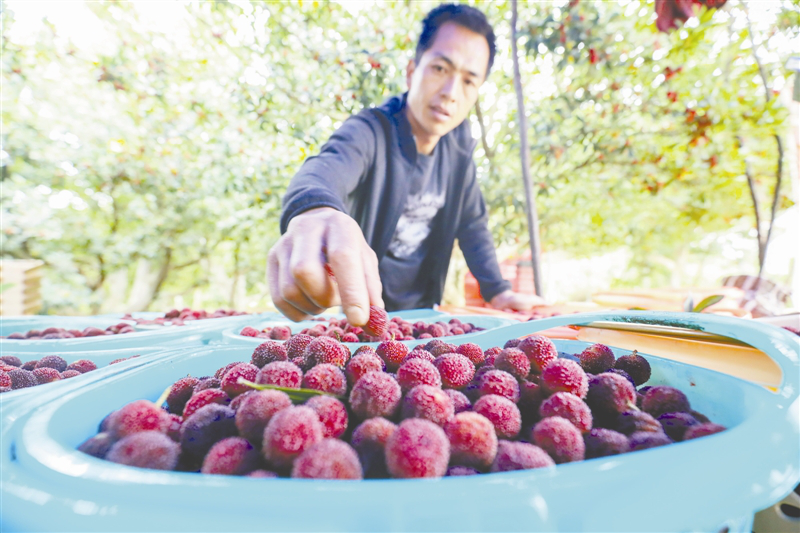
{"x":146,"y":146}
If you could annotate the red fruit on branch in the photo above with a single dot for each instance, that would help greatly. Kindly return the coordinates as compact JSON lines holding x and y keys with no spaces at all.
{"x":668,"y":11}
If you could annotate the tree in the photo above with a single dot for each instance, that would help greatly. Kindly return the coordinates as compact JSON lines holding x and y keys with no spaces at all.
{"x":147,"y":172}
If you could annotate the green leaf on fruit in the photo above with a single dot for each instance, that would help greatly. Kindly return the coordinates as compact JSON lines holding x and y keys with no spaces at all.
{"x":296,"y":395}
{"x":707,"y":302}
{"x":163,"y":397}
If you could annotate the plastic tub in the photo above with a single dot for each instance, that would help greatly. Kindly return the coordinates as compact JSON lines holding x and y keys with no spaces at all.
{"x":705,"y":484}
{"x":231,"y":335}
{"x":195,"y":334}
{"x":225,"y":321}
{"x":101,"y":358}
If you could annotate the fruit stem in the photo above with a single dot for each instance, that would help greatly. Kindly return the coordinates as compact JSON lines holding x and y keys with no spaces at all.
{"x":296,"y":395}
{"x":163,"y":397}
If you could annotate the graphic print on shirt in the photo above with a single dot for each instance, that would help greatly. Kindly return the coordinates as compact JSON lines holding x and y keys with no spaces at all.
{"x":415,"y":223}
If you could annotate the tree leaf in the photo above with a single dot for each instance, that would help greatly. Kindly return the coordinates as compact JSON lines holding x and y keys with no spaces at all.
{"x":707,"y":302}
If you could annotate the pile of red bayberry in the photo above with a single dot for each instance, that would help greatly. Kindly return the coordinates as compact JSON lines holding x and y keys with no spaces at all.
{"x":62,"y":333}
{"x":14,"y":374}
{"x":378,"y":329}
{"x":179,"y":318}
{"x":307,"y":408}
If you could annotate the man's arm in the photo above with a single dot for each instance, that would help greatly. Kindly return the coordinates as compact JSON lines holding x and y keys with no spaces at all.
{"x":325,"y":180}
{"x":317,"y":232}
{"x":477,"y":244}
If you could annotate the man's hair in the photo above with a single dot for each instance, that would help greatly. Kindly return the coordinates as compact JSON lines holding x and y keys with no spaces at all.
{"x":463,"y":15}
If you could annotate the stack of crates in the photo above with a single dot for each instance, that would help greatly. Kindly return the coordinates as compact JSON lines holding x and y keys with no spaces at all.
{"x":20,"y":282}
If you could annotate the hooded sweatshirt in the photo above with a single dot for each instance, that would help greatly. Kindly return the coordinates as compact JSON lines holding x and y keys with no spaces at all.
{"x":370,"y":170}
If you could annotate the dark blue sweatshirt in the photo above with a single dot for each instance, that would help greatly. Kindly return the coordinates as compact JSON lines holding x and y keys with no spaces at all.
{"x":362,"y":171}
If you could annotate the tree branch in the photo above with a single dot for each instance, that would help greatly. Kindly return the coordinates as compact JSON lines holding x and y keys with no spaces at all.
{"x":525,"y":155}
{"x":484,"y":142}
{"x":762,"y":258}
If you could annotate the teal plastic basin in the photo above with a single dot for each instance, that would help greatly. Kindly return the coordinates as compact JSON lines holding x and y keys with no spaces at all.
{"x":101,"y":358}
{"x":231,"y":335}
{"x":192,"y":334}
{"x":699,"y":485}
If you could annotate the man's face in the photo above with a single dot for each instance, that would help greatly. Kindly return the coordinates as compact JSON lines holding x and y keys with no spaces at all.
{"x":443,"y":87}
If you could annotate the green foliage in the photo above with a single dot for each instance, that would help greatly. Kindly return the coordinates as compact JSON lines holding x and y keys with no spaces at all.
{"x":636,"y":140}
{"x":148,"y":172}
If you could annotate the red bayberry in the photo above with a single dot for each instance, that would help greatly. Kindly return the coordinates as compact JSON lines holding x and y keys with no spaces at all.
{"x":82,"y":366}
{"x":610,"y":393}
{"x":418,"y":372}
{"x":636,"y":366}
{"x":203,"y":398}
{"x":377,"y":322}
{"x":256,"y":410}
{"x":328,"y":459}
{"x":232,"y":456}
{"x":502,"y":413}
{"x":146,"y":449}
{"x":663,"y":399}
{"x":570,"y":407}
{"x":428,"y":402}
{"x":332,"y":413}
{"x":267,"y":352}
{"x":137,"y":416}
{"x":289,"y":433}
{"x":361,"y":363}
{"x":179,"y":394}
{"x":326,"y":378}
{"x":46,"y":375}
{"x":325,"y":350}
{"x":601,"y":442}
{"x":473,"y":352}
{"x":597,"y":358}
{"x":702,"y":430}
{"x":375,"y":394}
{"x":514,"y":361}
{"x":560,"y":439}
{"x":392,"y":353}
{"x":418,"y":448}
{"x":230,"y":382}
{"x":473,"y":441}
{"x":282,"y":374}
{"x":565,"y":375}
{"x":500,"y":383}
{"x":519,"y":456}
{"x":540,"y":351}
{"x":456,"y":370}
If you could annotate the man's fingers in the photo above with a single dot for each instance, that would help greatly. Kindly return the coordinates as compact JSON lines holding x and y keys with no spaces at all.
{"x":292,"y":293}
{"x":347,"y":266}
{"x":273,"y":278}
{"x":372,"y":277}
{"x":306,"y":267}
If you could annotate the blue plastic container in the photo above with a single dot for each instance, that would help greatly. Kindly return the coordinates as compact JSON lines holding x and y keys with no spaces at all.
{"x":193,"y":334}
{"x":231,"y":335}
{"x":101,"y":358}
{"x":700,"y":485}
{"x":216,"y":323}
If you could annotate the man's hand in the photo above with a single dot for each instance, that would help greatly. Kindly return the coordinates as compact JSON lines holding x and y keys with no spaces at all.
{"x":516,"y":301}
{"x":298,"y":281}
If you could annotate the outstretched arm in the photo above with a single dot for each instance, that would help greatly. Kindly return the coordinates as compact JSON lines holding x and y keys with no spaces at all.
{"x":318,"y":234}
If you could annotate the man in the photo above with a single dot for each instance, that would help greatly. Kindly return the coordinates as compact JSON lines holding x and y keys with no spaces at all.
{"x":372,"y":219}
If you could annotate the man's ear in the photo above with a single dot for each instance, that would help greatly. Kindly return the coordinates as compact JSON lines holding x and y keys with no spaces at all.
{"x":410,"y":68}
